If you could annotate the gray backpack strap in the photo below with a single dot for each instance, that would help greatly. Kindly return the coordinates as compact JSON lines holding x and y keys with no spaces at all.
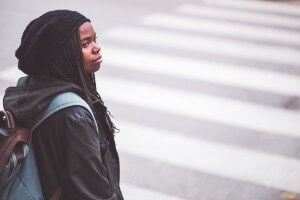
{"x":62,"y":101}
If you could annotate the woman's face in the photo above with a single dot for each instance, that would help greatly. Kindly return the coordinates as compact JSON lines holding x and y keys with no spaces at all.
{"x":90,"y":49}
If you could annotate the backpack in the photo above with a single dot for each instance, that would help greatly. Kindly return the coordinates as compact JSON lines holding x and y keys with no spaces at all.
{"x":18,"y":170}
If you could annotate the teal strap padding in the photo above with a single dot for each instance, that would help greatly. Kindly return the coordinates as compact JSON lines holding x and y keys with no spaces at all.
{"x":61,"y":101}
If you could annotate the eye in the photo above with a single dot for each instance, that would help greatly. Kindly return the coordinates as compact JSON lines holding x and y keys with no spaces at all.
{"x":84,"y":44}
{"x":95,"y":39}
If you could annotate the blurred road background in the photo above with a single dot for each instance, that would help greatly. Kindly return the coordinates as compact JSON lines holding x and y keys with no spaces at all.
{"x":206,"y":93}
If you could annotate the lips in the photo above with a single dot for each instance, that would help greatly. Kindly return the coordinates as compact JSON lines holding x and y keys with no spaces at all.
{"x":98,"y":59}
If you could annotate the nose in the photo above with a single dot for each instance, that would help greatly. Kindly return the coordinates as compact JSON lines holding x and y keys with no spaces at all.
{"x":96,"y":49}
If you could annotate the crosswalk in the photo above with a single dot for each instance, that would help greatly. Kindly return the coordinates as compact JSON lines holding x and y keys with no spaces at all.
{"x":180,"y":140}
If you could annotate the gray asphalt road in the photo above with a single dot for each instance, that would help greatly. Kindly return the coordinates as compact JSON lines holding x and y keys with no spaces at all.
{"x":206,"y":93}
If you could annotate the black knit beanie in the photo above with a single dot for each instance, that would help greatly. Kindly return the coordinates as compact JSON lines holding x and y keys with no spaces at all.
{"x":44,"y":36}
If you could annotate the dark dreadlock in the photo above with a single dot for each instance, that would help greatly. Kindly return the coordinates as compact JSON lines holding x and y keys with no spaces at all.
{"x":68,"y":66}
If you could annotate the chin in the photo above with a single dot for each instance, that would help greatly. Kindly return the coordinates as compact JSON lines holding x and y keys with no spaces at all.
{"x":91,"y":69}
{"x":97,"y":68}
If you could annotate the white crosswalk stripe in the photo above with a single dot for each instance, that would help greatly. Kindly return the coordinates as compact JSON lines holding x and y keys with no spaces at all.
{"x":243,"y":31}
{"x":132,"y":192}
{"x":188,"y":42}
{"x":265,"y":6}
{"x":240,"y":15}
{"x":11,"y":73}
{"x":252,"y":31}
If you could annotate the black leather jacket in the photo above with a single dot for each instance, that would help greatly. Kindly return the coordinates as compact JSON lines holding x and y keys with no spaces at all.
{"x":69,"y":150}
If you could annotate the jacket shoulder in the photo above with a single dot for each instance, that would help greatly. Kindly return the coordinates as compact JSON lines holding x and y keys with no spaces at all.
{"x":68,"y":115}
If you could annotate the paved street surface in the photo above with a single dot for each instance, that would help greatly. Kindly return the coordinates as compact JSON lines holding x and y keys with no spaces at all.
{"x":206,"y":93}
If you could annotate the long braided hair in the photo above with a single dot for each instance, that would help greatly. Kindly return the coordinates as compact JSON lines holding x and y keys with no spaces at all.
{"x":68,"y":66}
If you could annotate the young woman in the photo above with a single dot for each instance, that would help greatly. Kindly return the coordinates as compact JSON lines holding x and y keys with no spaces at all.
{"x":59,"y":53}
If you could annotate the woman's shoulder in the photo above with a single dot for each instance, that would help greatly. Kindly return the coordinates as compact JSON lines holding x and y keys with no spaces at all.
{"x":74,"y":113}
{"x":71,"y":114}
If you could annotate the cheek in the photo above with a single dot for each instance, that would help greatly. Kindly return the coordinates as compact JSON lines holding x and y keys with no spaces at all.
{"x":85,"y":56}
{"x":85,"y":60}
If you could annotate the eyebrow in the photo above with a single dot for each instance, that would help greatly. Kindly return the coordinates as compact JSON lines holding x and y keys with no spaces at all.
{"x":88,"y":37}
